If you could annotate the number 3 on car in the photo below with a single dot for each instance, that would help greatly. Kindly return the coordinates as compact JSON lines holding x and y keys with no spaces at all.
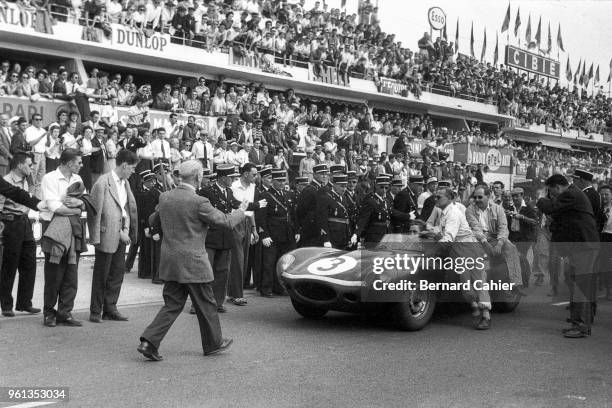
{"x":332,"y":266}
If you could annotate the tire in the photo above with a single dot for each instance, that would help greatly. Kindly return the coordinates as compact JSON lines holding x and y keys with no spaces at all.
{"x":505,"y":301}
{"x":308,"y":311}
{"x":414,"y":315}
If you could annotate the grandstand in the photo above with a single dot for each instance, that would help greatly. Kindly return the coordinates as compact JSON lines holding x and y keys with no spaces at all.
{"x":473,"y":111}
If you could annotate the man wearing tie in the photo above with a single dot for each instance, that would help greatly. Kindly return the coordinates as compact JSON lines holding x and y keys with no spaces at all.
{"x":112,"y":228}
{"x":203,"y":151}
{"x":160,"y":146}
{"x":256,"y":156}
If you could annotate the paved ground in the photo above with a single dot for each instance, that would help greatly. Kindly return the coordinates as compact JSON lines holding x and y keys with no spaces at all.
{"x":281,"y":360}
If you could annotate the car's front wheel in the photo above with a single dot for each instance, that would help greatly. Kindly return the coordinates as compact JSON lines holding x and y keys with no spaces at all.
{"x":416,"y":312}
{"x":308,"y":311}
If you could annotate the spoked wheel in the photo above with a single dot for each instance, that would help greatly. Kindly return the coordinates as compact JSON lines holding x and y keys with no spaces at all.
{"x":416,"y":312}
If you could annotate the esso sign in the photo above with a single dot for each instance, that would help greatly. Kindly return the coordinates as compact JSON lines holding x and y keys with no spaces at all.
{"x":437,"y":18}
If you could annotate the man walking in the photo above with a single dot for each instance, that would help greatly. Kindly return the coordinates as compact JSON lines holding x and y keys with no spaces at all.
{"x":19,"y":244}
{"x":113,"y":227}
{"x":184,"y":217}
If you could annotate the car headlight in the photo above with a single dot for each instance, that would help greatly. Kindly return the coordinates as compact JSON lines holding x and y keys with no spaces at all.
{"x":286,"y":261}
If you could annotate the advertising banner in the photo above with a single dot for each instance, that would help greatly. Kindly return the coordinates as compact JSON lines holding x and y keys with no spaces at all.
{"x":521,"y":59}
{"x":498,"y":160}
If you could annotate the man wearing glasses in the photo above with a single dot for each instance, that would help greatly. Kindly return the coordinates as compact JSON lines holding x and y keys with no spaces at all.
{"x":163,"y":100}
{"x":35,"y":136}
{"x":454,"y":229}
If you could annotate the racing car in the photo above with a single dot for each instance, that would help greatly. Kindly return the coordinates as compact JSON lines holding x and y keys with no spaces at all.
{"x":322,"y":279}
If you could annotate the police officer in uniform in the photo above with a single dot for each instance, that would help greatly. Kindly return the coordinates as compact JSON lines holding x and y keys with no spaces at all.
{"x":353,"y":201}
{"x":147,"y":180}
{"x":256,"y":252}
{"x":300,"y":183}
{"x":334,"y":215}
{"x":375,"y":213}
{"x":278,"y":235}
{"x":152,"y":199}
{"x":307,"y":207}
{"x":406,"y":200}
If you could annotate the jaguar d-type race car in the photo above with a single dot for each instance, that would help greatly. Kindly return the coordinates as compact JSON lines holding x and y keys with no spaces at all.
{"x":368,"y":281}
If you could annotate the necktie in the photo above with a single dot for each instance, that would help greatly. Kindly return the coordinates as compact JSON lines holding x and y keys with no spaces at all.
{"x":205,"y":155}
{"x":163,"y":149}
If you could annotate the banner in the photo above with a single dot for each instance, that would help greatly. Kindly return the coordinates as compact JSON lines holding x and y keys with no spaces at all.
{"x":498,"y":160}
{"x":515,"y":57}
{"x":328,"y":75}
{"x":392,"y":87}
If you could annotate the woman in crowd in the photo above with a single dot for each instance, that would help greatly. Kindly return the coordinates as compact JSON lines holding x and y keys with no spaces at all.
{"x":86,"y":149}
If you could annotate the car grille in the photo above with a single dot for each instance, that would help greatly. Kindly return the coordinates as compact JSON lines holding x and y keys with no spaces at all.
{"x":315,"y":291}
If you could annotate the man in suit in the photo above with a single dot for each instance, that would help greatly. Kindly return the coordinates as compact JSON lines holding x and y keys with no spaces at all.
{"x":574,"y":234}
{"x":220,"y":240}
{"x":256,"y":156}
{"x":307,"y":207}
{"x":5,"y":144}
{"x":184,"y":217}
{"x":113,"y":227}
{"x":98,"y":159}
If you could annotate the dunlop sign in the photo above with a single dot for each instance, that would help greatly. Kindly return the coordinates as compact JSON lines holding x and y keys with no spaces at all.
{"x":515,"y":57}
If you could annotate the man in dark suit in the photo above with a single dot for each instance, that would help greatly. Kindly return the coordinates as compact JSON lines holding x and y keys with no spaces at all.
{"x":307,"y":207}
{"x":256,"y":156}
{"x":256,"y":252}
{"x":574,"y":233}
{"x":112,"y":228}
{"x":98,"y":158}
{"x":5,"y":144}
{"x":583,"y":179}
{"x":219,"y":240}
{"x":184,"y":218}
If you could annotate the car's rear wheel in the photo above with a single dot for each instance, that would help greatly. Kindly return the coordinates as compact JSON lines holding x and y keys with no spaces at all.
{"x":416,"y":312}
{"x":505,"y":301}
{"x":308,"y":311}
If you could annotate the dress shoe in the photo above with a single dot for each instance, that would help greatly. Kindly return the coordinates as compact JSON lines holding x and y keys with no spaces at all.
{"x":149,"y":351}
{"x":95,"y":318}
{"x":8,"y":313}
{"x":483,"y":324}
{"x":115,"y":316}
{"x":239,"y":301}
{"x":49,"y":321}
{"x":69,"y":321}
{"x":221,"y":309}
{"x":575,"y":333}
{"x":192,"y":310}
{"x":225,"y":344}
{"x":30,"y":310}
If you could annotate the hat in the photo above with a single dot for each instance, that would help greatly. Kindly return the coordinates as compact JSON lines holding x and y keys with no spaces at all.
{"x":444,"y":183}
{"x":266,"y":171}
{"x":147,"y":177}
{"x":517,"y":191}
{"x":208,"y":174}
{"x":226,"y":170}
{"x":336,"y":168}
{"x":301,"y":180}
{"x":381,"y":180}
{"x":279,"y":175}
{"x":432,"y":180}
{"x":397,"y":182}
{"x":320,"y":169}
{"x":416,"y":179}
{"x":158,"y":167}
{"x":352,"y":175}
{"x":98,"y":127}
{"x":144,"y":173}
{"x":340,"y":179}
{"x":388,"y":176}
{"x":583,"y":174}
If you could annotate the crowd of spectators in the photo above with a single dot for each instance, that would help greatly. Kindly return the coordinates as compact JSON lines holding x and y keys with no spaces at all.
{"x":354,"y":44}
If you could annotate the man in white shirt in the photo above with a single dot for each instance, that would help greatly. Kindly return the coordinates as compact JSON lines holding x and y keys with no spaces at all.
{"x":243,"y":154}
{"x":160,"y":146}
{"x":36,"y":136}
{"x":232,"y":154}
{"x":455,"y":229}
{"x":61,"y":274}
{"x":203,"y":151}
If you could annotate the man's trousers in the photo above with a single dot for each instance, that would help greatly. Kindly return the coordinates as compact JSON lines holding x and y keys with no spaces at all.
{"x":107,"y":279}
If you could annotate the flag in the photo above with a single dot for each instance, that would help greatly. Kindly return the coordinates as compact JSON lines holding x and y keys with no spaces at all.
{"x":549,"y":42}
{"x":583,"y":75}
{"x":568,"y":70}
{"x":496,"y":52}
{"x":517,"y":22}
{"x":528,"y":32}
{"x":506,"y":23}
{"x":343,"y":4}
{"x":559,"y":39}
{"x":597,"y":75}
{"x":457,"y":37}
{"x":577,"y":74}
{"x":484,"y":45}
{"x":444,"y":33}
{"x":591,"y":72}
{"x":610,"y":74}
{"x":538,"y":36}
{"x":472,"y":41}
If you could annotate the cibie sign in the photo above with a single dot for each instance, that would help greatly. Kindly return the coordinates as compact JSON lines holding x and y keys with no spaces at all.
{"x":436,"y":17}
